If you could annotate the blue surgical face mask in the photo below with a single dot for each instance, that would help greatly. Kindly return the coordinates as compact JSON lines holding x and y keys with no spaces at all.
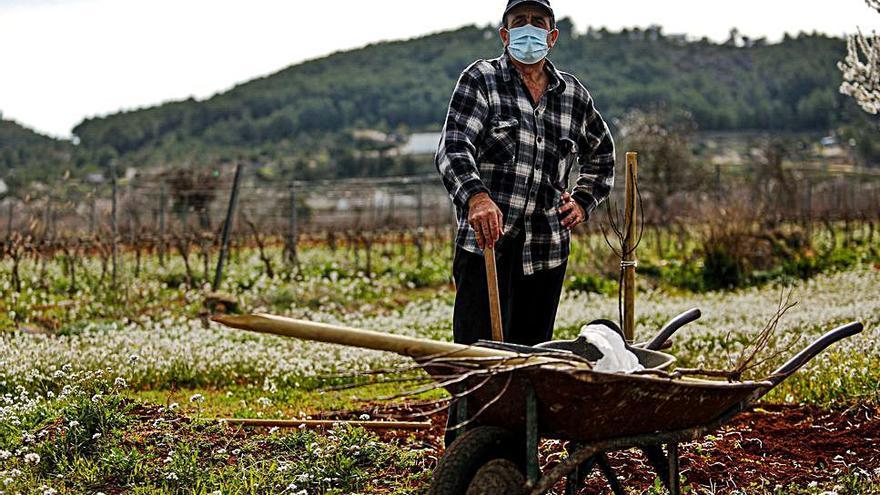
{"x":528,"y":44}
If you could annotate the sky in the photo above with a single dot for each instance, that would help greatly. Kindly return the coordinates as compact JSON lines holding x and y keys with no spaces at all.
{"x":65,"y":60}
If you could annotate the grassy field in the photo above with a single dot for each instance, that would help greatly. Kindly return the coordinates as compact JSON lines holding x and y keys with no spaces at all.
{"x":107,"y":391}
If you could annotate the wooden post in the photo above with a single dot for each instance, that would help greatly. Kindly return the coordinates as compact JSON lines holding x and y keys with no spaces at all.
{"x":629,"y":242}
{"x":162,"y":233}
{"x":494,"y":298}
{"x":420,"y":226}
{"x":227,"y":226}
{"x":47,"y":217}
{"x":93,"y":212}
{"x":9,"y":220}
{"x":114,"y":227}
{"x":292,"y":231}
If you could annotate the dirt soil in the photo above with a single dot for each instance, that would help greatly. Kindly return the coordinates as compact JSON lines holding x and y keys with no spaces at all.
{"x":767,"y":446}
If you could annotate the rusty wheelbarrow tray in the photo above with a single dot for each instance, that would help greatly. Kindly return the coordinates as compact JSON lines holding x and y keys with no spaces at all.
{"x":558,"y":396}
{"x":597,"y":413}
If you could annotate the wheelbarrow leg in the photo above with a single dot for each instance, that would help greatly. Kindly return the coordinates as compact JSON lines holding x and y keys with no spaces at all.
{"x":659,"y":461}
{"x":666,"y":465}
{"x":610,"y":475}
{"x":533,"y":471}
{"x":575,"y":478}
{"x":674,"y":476}
{"x":458,"y":412}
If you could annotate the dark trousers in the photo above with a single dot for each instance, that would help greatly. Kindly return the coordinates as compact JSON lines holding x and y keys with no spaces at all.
{"x":528,"y":302}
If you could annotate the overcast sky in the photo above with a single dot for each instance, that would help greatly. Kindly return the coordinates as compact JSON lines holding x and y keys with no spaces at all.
{"x":64,"y":60}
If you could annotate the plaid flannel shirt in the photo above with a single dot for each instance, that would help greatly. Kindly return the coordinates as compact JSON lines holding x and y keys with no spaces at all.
{"x":496,"y":141}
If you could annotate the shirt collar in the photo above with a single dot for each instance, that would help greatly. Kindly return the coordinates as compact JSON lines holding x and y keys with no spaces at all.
{"x":508,"y":71}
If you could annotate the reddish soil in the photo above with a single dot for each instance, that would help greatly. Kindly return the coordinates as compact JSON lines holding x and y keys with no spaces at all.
{"x":769,"y":445}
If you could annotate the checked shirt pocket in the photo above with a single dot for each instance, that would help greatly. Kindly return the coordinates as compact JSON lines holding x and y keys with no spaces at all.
{"x":499,"y":144}
{"x":559,"y":160}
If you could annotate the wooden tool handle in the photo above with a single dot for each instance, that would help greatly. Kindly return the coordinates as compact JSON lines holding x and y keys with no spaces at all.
{"x":494,"y":299}
{"x":366,"y":339}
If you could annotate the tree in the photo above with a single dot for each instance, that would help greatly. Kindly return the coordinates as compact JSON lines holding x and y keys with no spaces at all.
{"x":861,"y":78}
{"x":662,"y":138}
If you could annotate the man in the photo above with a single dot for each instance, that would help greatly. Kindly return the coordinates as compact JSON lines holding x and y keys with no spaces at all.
{"x":515,"y":127}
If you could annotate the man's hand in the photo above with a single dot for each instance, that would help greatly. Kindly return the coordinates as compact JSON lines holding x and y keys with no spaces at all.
{"x":486,"y":219}
{"x":575,"y":214}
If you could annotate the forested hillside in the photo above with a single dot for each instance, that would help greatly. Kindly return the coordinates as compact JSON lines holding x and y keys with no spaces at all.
{"x":303,"y":115}
{"x":26,"y":155}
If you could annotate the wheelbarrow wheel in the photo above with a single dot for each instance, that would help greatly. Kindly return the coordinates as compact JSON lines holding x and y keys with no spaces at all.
{"x":468,"y":462}
{"x":498,"y":476}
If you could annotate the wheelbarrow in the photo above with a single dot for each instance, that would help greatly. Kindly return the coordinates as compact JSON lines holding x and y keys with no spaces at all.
{"x":557,"y":395}
{"x":597,"y":413}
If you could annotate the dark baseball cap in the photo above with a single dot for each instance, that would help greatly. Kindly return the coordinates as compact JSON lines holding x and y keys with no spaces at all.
{"x":515,"y":3}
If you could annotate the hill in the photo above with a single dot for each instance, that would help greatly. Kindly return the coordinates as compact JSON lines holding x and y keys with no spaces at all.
{"x":303,"y":116}
{"x":26,"y":155}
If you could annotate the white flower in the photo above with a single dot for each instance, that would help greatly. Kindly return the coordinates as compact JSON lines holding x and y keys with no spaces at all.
{"x":171,"y":476}
{"x":120,"y":382}
{"x":364,"y":417}
{"x":174,"y":405}
{"x":32,"y":457}
{"x":73,"y":424}
{"x":133,"y":358}
{"x":273,"y":429}
{"x":5,"y":454}
{"x":96,"y":436}
{"x":197,"y":398}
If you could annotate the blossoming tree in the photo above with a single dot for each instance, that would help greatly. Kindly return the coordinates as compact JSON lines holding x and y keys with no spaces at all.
{"x":861,"y":68}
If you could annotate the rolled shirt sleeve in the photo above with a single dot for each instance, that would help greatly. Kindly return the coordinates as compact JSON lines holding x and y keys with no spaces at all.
{"x":595,"y":160}
{"x":456,"y":155}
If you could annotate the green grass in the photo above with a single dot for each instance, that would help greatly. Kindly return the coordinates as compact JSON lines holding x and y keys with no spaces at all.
{"x":283,"y":403}
{"x":148,"y":333}
{"x":96,"y":440}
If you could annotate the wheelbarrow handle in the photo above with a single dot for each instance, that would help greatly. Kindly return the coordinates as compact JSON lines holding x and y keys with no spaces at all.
{"x":671,"y":327}
{"x":814,"y":349}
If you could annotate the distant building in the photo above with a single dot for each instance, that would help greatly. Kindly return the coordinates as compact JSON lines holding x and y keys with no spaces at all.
{"x":371,"y":135}
{"x":95,"y":178}
{"x":421,"y":143}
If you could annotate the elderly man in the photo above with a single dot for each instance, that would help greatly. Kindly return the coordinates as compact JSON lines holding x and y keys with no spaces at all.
{"x":515,"y":127}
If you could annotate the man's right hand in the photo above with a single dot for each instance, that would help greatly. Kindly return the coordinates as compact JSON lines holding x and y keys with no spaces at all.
{"x":486,"y":219}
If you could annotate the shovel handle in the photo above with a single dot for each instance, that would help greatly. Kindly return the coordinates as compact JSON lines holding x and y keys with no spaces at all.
{"x":494,"y":298}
